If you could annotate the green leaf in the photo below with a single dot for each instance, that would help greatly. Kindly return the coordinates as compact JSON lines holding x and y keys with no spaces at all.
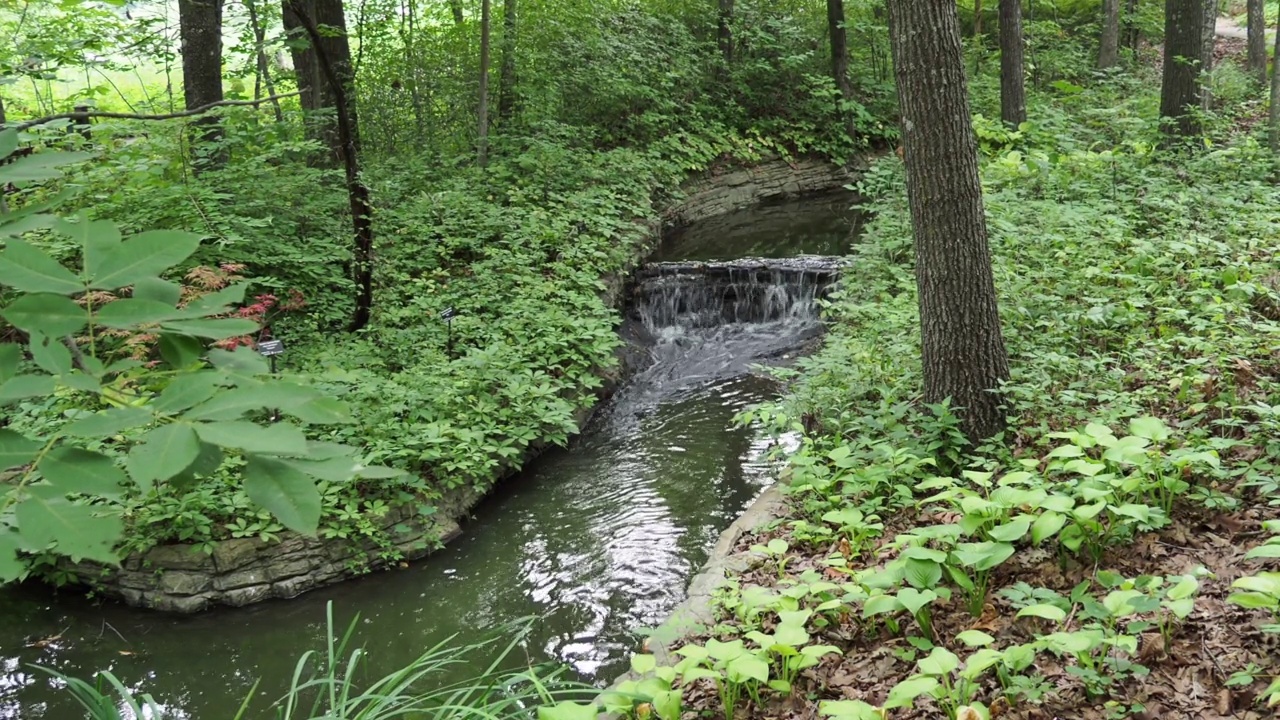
{"x":154,"y":289}
{"x":180,"y":351}
{"x":241,"y":360}
{"x":11,"y":568}
{"x":26,"y":386}
{"x":274,"y":439}
{"x":17,"y":450}
{"x":187,"y":390}
{"x":849,"y":710}
{"x":1270,"y":550}
{"x":940,"y":662}
{"x":1052,"y":613}
{"x":217,"y":302}
{"x":922,"y":574}
{"x":77,"y":380}
{"x":642,"y":664}
{"x":1011,"y":531}
{"x":285,"y":492}
{"x":568,"y":711}
{"x":133,"y":312}
{"x":233,"y":404}
{"x":74,"y":470}
{"x":25,"y":267}
{"x":144,"y":255}
{"x":212,"y":329}
{"x":164,"y":452}
{"x":1151,"y":428}
{"x":983,"y":556}
{"x":321,"y":411}
{"x":975,"y":638}
{"x":8,"y":142}
{"x":905,"y":693}
{"x":46,"y":313}
{"x":38,"y":167}
{"x":747,"y":667}
{"x":1254,"y":600}
{"x":95,"y":237}
{"x":10,"y":357}
{"x":109,"y":422}
{"x":50,"y":354}
{"x":913,"y":600}
{"x":80,"y":531}
{"x":1046,"y":526}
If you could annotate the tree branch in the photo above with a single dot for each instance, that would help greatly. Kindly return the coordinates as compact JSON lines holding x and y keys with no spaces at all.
{"x":167,"y":116}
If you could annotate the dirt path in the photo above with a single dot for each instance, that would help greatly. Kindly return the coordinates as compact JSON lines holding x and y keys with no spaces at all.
{"x":1229,"y":28}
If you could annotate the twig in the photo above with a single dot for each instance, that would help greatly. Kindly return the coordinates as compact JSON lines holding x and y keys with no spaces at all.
{"x":114,"y":630}
{"x":167,"y":116}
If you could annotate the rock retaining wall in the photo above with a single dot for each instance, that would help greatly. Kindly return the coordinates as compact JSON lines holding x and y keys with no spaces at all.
{"x":188,"y":579}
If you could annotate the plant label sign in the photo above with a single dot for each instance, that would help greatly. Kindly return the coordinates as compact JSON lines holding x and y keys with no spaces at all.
{"x":448,"y":313}
{"x":271,"y":347}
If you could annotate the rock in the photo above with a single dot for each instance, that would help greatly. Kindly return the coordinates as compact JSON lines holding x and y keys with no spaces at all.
{"x":246,"y":595}
{"x":234,"y":554}
{"x":177,"y":557}
{"x":240,"y":579}
{"x":184,"y":583}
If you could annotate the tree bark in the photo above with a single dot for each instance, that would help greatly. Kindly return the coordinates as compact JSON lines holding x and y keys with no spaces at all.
{"x":977,"y":18}
{"x":1274,"y":135}
{"x":963,"y":350}
{"x":264,"y":66}
{"x":483,"y":112}
{"x":840,"y":61}
{"x":1180,"y":82}
{"x":1258,"y":41}
{"x":1209,"y":40}
{"x":310,"y":51}
{"x":1013,"y":94}
{"x":456,"y":7}
{"x":507,"y":73}
{"x":1132,"y":37}
{"x":1109,"y":47}
{"x":724,"y":36}
{"x":334,"y":81}
{"x":200,"y":28}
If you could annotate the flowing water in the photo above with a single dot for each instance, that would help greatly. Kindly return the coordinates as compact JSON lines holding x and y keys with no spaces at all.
{"x":597,"y":541}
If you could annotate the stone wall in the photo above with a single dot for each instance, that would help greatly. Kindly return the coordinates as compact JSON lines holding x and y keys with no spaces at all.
{"x":238,"y":572}
{"x":717,"y":192}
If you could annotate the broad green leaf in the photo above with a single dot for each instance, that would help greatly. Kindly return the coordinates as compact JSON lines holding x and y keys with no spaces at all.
{"x":274,"y":439}
{"x":50,"y":314}
{"x":1141,"y":513}
{"x":26,"y":386}
{"x":10,"y":357}
{"x":1066,"y":451}
{"x":144,"y":255}
{"x":922,"y":574}
{"x":747,"y":667}
{"x":983,"y":556}
{"x":979,"y":662}
{"x":1046,"y":526}
{"x":17,"y":450}
{"x":321,"y":411}
{"x":379,"y":472}
{"x":975,"y":638}
{"x":77,"y":380}
{"x":1151,"y":428}
{"x":212,"y":329}
{"x":879,"y":604}
{"x":109,"y":422}
{"x":74,"y":470}
{"x":905,"y":693}
{"x":8,"y":142}
{"x":913,"y":600}
{"x":241,"y":360}
{"x":1052,"y":613}
{"x":285,"y":492}
{"x":180,"y":351}
{"x":791,"y":635}
{"x":1011,"y":531}
{"x":185,"y":391}
{"x":1186,"y":587}
{"x":134,"y":312}
{"x":95,"y":237}
{"x":163,"y":453}
{"x":642,"y":664}
{"x":217,"y":302}
{"x":49,"y":353}
{"x":11,"y":568}
{"x":849,"y":710}
{"x":568,"y":711}
{"x":80,"y":531}
{"x":1254,"y":600}
{"x":25,"y":267}
{"x":38,"y":167}
{"x":233,"y":404}
{"x":1267,"y":582}
{"x":1270,"y":550}
{"x":156,"y":290}
{"x":724,"y":651}
{"x":939,"y":662}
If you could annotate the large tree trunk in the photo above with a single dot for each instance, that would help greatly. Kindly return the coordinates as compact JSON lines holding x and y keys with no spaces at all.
{"x":1013,"y":94}
{"x":507,"y":74}
{"x":1275,"y":101}
{"x":200,"y":27}
{"x":840,"y":61}
{"x":1258,"y":41}
{"x":964,"y":356}
{"x":724,"y":36}
{"x":483,"y":112}
{"x":1180,"y":87}
{"x":310,"y":51}
{"x":333,"y":82}
{"x":1208,"y":40}
{"x":1109,"y":47}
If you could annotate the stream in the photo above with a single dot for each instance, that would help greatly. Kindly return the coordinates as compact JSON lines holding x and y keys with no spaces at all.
{"x":597,"y":541}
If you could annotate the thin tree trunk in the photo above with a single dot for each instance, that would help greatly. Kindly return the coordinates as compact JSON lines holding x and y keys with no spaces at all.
{"x":337,"y":83}
{"x":977,"y":18}
{"x":483,"y":113}
{"x":1132,"y":36}
{"x":260,"y":49}
{"x":1109,"y":47}
{"x":507,"y":74}
{"x":456,"y":7}
{"x":724,"y":36}
{"x":1275,"y":102}
{"x":840,"y":61}
{"x":200,"y":28}
{"x":1180,"y":86}
{"x":1013,"y":94}
{"x":963,"y":352}
{"x":1209,"y":39}
{"x":1258,"y":41}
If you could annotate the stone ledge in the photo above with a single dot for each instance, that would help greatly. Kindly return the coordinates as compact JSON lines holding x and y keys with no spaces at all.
{"x":716,"y":194}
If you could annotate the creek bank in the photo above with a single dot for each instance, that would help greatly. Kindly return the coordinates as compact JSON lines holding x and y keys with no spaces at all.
{"x":182,"y":578}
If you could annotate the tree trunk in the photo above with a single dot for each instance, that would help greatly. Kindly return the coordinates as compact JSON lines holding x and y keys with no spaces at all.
{"x":1209,"y":40}
{"x":507,"y":74}
{"x":1132,"y":36}
{"x":456,"y":7}
{"x":483,"y":113}
{"x":330,"y":45}
{"x":1258,"y":41}
{"x":840,"y":61}
{"x":725,"y":31}
{"x":264,"y":66}
{"x":1013,"y":94}
{"x":1275,"y":101}
{"x":200,"y":27}
{"x":334,"y":81}
{"x":1109,"y":47}
{"x":964,"y":356}
{"x":1183,"y":48}
{"x":977,"y":18}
